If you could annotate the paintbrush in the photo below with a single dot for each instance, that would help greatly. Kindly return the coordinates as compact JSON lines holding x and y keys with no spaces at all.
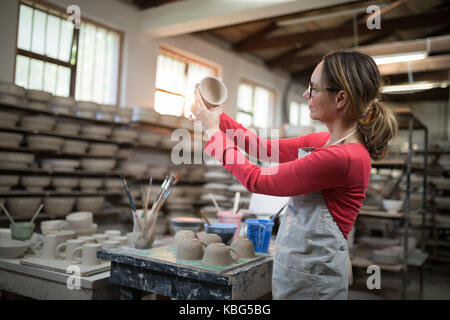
{"x":278,"y":213}
{"x":202,"y":212}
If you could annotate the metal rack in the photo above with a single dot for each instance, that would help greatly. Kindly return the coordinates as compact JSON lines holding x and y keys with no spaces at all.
{"x":407,"y":121}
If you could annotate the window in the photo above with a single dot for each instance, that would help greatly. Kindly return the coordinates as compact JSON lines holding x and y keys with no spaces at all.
{"x":176,"y":76}
{"x":53,"y":56}
{"x":254,"y":105}
{"x":299,"y":114}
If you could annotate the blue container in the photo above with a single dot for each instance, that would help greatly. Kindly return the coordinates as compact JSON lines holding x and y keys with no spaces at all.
{"x":259,"y":232}
{"x":224,"y":230}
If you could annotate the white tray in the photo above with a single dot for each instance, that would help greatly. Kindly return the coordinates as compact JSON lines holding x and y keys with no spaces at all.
{"x":63,"y":265}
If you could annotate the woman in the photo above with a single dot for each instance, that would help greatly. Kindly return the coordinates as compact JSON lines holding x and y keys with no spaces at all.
{"x":326,"y":185}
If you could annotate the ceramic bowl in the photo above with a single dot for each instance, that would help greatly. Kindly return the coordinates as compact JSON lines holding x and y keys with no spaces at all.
{"x":89,"y":231}
{"x":91,"y":204}
{"x":38,"y":142}
{"x":189,"y":249}
{"x":37,"y":105}
{"x":23,"y":207}
{"x":103,"y":149}
{"x":75,"y":146}
{"x":125,"y":135}
{"x":96,"y":132}
{"x":135,"y":169}
{"x":12,"y":89}
{"x":98,"y":164}
{"x":224,"y":230}
{"x":90,"y":184}
{"x":106,"y":112}
{"x":150,"y":138}
{"x":9,"y":119}
{"x":123,"y":115}
{"x":35,"y":183}
{"x":184,"y":235}
{"x":38,"y":123}
{"x":123,"y":153}
{"x":218,"y":254}
{"x":10,"y":140}
{"x":37,"y":95}
{"x":67,"y":128}
{"x":79,"y":220}
{"x":65,"y":184}
{"x":113,"y":184}
{"x":186,"y":223}
{"x":58,"y":206}
{"x":244,"y":247}
{"x":386,"y":256}
{"x":22,"y":231}
{"x":16,"y":157}
{"x":10,"y":249}
{"x":60,"y":164}
{"x":145,"y":115}
{"x":86,"y":109}
{"x":51,"y":225}
{"x":392,"y":206}
{"x":8,"y":181}
{"x":62,"y":105}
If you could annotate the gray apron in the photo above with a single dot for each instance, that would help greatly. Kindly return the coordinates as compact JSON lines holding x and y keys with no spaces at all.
{"x":311,"y":258}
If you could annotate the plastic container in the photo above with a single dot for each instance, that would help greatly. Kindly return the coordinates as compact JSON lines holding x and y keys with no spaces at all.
{"x":259,"y":232}
{"x":22,"y":230}
{"x":230,"y":217}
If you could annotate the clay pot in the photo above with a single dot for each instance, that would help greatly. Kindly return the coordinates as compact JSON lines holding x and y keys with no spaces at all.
{"x":218,"y":254}
{"x":189,"y":249}
{"x":244,"y":247}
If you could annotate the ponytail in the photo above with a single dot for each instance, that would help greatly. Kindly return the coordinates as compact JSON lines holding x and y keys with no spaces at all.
{"x":378,"y":127}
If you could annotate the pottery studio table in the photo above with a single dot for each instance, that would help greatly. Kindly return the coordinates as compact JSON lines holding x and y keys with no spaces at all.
{"x":139,"y":275}
{"x":42,"y":284}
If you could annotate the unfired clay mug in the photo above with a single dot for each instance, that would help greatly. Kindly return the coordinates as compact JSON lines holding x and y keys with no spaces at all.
{"x":209,"y":238}
{"x":218,"y":254}
{"x":49,"y":247}
{"x":189,"y":249}
{"x":184,"y":235}
{"x":70,"y":246}
{"x":213,"y":91}
{"x":88,"y":254}
{"x":244,"y":248}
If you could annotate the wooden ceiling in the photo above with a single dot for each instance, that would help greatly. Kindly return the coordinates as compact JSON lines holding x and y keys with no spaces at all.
{"x":296,"y":42}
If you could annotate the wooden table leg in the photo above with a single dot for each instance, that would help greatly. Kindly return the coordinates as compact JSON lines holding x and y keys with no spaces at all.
{"x":127,"y":293}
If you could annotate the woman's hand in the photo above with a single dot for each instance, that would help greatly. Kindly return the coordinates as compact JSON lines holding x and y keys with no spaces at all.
{"x":210,"y":118}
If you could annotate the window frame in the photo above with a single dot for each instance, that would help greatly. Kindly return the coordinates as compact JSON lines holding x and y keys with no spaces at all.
{"x":187,"y":58}
{"x":255,"y":85}
{"x":57,"y":11}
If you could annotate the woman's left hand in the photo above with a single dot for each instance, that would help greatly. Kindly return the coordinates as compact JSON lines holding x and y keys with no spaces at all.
{"x":210,"y":118}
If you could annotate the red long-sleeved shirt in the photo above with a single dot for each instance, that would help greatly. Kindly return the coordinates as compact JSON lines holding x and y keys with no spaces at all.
{"x":340,"y":172}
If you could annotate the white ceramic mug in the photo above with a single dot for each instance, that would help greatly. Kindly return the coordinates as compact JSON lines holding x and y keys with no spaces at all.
{"x":100,"y":237}
{"x":87,"y":239}
{"x":88,"y":254}
{"x":213,"y":91}
{"x":49,"y":247}
{"x":70,"y":246}
{"x":113,"y":233}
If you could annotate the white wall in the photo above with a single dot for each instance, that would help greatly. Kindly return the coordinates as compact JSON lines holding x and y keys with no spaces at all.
{"x":140,"y":53}
{"x":8,"y":27}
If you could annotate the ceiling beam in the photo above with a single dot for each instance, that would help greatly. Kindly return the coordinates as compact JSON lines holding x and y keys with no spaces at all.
{"x":429,"y":64}
{"x":201,"y":15}
{"x":423,"y":20}
{"x":432,"y":95}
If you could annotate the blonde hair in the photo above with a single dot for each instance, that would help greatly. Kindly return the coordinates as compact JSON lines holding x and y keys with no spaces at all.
{"x":358,"y":75}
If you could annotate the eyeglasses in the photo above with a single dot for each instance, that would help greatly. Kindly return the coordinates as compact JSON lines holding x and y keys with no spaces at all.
{"x":311,"y":88}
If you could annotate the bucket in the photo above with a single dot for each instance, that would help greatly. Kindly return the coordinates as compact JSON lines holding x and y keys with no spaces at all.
{"x":230,"y":217}
{"x":259,"y":232}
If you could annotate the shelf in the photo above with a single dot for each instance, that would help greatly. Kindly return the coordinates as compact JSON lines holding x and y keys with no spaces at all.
{"x":395,"y":164}
{"x":381,"y":214}
{"x":55,"y":134}
{"x":47,"y":193}
{"x":60,"y":172}
{"x":58,"y":153}
{"x":61,"y":115}
{"x":403,"y":115}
